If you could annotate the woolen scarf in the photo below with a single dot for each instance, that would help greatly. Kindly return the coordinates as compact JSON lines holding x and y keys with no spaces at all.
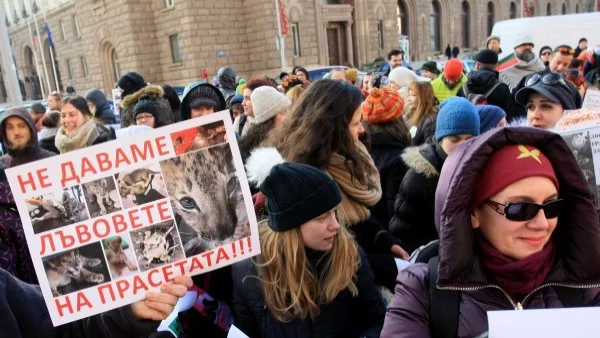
{"x":82,"y":137}
{"x":356,"y":196}
{"x":516,"y":277}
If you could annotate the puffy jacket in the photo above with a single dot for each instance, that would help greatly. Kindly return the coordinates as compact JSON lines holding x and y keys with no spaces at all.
{"x":441,"y":90}
{"x":386,"y":152}
{"x":412,"y":222}
{"x":163,"y":108}
{"x":481,"y":81}
{"x":425,"y":131}
{"x":346,"y":316}
{"x":578,"y":264}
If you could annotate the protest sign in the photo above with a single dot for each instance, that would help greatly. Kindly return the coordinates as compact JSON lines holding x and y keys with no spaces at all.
{"x":584,"y":142}
{"x":591,"y":99}
{"x":116,"y":96}
{"x":549,"y":323}
{"x":108,"y":223}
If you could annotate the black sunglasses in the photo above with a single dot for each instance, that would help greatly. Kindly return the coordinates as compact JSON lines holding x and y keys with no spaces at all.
{"x":550,"y":79}
{"x":523,"y":211}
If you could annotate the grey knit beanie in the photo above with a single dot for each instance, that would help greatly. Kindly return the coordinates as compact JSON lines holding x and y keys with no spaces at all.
{"x":267,"y":102}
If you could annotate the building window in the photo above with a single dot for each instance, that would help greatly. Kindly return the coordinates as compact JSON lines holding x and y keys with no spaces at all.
{"x":402,"y":18}
{"x":333,"y":2}
{"x":76,"y":27}
{"x":84,"y":66}
{"x":63,"y":30}
{"x":70,"y":70}
{"x":513,"y":10}
{"x":175,"y":53}
{"x":170,"y":3}
{"x":296,"y":39}
{"x":549,"y":9}
{"x":115,"y":61}
{"x":380,"y":34}
{"x":564,"y":8}
{"x":466,"y":23}
{"x":434,"y":26}
{"x":491,"y":17}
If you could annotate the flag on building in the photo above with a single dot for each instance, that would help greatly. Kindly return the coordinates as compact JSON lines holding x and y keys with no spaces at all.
{"x":49,"y":33}
{"x":283,"y":18}
{"x":507,"y":62}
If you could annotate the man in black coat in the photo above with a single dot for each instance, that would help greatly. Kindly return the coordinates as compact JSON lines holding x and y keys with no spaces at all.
{"x":484,"y":81}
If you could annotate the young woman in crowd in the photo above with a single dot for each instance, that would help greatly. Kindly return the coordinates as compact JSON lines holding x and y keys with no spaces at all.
{"x":47,"y":136}
{"x":518,"y":230}
{"x":245,"y":122}
{"x":413,"y":222}
{"x":389,"y":136}
{"x":311,"y":279}
{"x":323,"y":130}
{"x":422,"y":112}
{"x":78,"y":127}
{"x":147,"y":113}
{"x":546,"y":98}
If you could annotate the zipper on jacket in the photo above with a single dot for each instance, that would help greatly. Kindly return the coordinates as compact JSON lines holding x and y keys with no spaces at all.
{"x":518,"y":305}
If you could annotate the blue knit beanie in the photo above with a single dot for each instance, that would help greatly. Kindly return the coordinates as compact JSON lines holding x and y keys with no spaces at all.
{"x":489,"y":117}
{"x":456,"y":116}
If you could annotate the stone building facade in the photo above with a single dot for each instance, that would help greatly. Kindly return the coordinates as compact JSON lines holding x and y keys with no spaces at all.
{"x":173,"y":41}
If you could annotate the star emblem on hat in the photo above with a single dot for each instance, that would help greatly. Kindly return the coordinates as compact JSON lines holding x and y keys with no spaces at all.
{"x":526,"y":153}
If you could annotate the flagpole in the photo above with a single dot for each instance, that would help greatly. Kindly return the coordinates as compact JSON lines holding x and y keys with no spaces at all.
{"x":280,"y":36}
{"x":51,"y":53}
{"x":37,"y":28}
{"x":13,"y":90}
{"x":37,"y":65}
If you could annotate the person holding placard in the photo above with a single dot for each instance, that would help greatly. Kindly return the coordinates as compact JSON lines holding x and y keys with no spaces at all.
{"x":311,"y":279}
{"x":546,"y":97}
{"x":518,"y":229}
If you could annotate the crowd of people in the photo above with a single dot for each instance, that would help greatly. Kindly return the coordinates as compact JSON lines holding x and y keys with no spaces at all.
{"x":350,"y":178}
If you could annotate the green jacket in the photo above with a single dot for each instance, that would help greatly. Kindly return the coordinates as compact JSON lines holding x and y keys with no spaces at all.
{"x":441,"y":90}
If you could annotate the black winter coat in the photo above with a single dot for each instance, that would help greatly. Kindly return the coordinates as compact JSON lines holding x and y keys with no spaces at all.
{"x":346,"y":316}
{"x":481,"y":81}
{"x":425,"y":131}
{"x":412,"y":222}
{"x":385,"y":151}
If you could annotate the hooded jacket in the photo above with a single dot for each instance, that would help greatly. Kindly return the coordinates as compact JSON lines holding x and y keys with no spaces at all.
{"x":185,"y":111}
{"x":412,"y":221}
{"x":481,"y":81}
{"x":577,"y":238}
{"x":103,"y":111}
{"x":163,"y":107}
{"x":32,"y":152}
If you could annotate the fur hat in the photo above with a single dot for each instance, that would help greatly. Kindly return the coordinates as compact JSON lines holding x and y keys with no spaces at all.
{"x":267,"y":102}
{"x":382,"y":106}
{"x":456,"y":116}
{"x":453,"y":69}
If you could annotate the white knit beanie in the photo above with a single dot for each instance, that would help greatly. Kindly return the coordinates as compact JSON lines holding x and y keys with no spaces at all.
{"x":267,"y":102}
{"x":402,"y":76}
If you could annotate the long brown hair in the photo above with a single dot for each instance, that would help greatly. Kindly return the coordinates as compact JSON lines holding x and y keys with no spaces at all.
{"x":318,"y":126}
{"x":427,"y":105}
{"x":291,"y":288}
{"x":396,"y":129}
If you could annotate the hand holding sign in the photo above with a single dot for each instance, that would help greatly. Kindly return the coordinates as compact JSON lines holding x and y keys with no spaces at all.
{"x":158,"y":306}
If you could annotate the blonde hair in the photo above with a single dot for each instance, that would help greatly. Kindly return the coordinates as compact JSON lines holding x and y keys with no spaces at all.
{"x":291,"y":288}
{"x":295,"y":93}
{"x":427,"y":104}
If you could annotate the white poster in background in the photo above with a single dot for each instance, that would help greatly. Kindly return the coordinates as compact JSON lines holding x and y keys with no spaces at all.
{"x":108,"y":223}
{"x":591,"y":99}
{"x":549,"y":323}
{"x":116,"y":97}
{"x":584,"y":142}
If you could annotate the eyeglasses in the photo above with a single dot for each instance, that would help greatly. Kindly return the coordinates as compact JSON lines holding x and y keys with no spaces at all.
{"x":523,"y":211}
{"x":551,"y":79}
{"x":140,"y":118}
{"x":566,"y":51}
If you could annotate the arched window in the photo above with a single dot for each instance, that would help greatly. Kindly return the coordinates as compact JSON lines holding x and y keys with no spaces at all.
{"x":564,"y":8}
{"x":403,"y":17}
{"x":435,"y":26}
{"x":114,"y":59}
{"x":513,"y":10}
{"x":491,"y":16}
{"x":465,"y":19}
{"x":549,"y":9}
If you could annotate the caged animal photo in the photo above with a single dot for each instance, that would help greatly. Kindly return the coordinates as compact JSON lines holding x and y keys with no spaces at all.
{"x":157,"y":245}
{"x":120,"y":256}
{"x":206,"y":198}
{"x":141,"y":186}
{"x":55,"y":210}
{"x":102,"y":197}
{"x":76,"y":269}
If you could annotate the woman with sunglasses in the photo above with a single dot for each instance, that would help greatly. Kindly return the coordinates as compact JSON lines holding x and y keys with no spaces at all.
{"x":546,"y":97}
{"x":518,"y":229}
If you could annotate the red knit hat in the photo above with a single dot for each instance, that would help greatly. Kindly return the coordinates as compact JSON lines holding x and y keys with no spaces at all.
{"x":453,"y":69}
{"x":382,"y":106}
{"x":509,"y":165}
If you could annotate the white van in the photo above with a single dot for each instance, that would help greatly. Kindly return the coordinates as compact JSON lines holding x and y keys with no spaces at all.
{"x":550,"y":31}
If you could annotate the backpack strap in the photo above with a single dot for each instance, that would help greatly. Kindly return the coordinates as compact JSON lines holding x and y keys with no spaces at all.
{"x":570,"y":297}
{"x":443,"y":306}
{"x":489,"y":92}
{"x":465,"y":89}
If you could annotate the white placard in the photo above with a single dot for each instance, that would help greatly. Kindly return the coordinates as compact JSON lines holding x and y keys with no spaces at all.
{"x":135,"y":213}
{"x":591,"y":99}
{"x":234,"y":332}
